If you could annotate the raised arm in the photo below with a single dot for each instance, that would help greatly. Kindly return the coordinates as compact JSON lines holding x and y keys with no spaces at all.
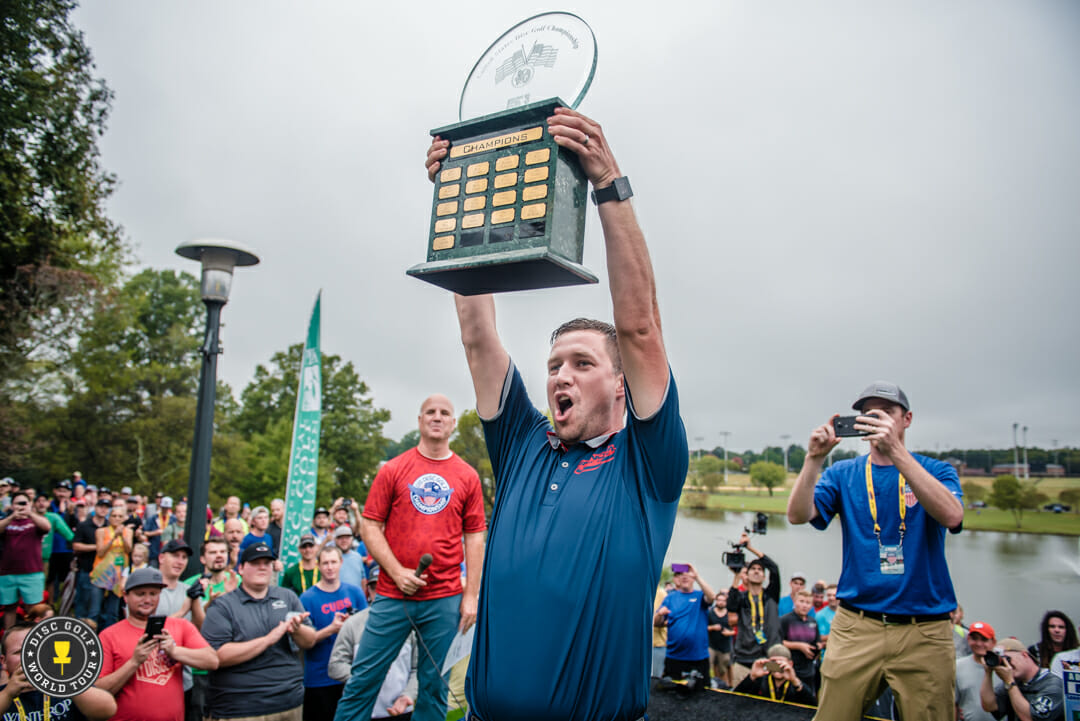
{"x":800,"y":506}
{"x":488,"y":360}
{"x":630,"y":272}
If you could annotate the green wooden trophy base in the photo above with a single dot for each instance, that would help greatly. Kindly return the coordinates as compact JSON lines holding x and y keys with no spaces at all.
{"x":509,"y":207}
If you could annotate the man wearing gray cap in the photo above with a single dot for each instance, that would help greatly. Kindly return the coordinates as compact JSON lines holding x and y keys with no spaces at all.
{"x":143,"y":671}
{"x":895,"y":592}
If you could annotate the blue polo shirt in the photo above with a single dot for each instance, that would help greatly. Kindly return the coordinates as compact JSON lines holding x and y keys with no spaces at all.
{"x":687,"y":626}
{"x":575,"y":545}
{"x":925,"y":587}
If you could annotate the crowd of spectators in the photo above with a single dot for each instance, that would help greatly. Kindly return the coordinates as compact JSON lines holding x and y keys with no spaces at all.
{"x":749,"y":639}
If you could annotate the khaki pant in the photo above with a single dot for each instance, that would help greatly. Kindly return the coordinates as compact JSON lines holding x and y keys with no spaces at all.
{"x":293,"y":714}
{"x":738,"y":673}
{"x":917,"y":661}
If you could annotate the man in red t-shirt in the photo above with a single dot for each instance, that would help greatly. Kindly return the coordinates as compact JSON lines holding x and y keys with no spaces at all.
{"x":425,"y":501}
{"x":145,"y":674}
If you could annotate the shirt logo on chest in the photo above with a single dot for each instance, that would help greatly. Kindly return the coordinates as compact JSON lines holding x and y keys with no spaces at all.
{"x":596,"y":459}
{"x":909,"y":498}
{"x":430,"y":493}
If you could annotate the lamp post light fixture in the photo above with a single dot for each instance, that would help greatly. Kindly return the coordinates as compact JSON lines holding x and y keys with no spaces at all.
{"x":784,"y":439}
{"x":1027,"y":473}
{"x":218,"y":258}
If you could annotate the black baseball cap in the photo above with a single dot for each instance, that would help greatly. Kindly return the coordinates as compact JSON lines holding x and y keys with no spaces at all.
{"x":755,"y":562}
{"x":103,"y":502}
{"x":321,"y":509}
{"x":307,"y":540}
{"x":256,"y":551}
{"x":175,"y":545}
{"x":63,"y":484}
{"x":884,"y":390}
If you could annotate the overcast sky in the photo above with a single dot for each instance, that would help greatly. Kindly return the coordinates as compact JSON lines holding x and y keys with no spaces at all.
{"x":833,"y":192}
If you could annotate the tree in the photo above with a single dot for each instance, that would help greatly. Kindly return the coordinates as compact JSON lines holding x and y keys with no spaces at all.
{"x":708,"y":471}
{"x":767,"y":474}
{"x":1071,"y":496}
{"x":123,"y":407}
{"x":57,"y":246}
{"x":468,"y":442}
{"x":974,"y":491}
{"x":351,"y":444}
{"x":396,"y":448}
{"x":1009,"y":494}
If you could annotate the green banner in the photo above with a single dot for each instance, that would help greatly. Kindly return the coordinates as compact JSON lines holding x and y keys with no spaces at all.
{"x":304,"y":458}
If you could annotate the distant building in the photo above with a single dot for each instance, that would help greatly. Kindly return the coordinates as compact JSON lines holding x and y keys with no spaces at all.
{"x":1054,"y":470}
{"x":1015,"y":469}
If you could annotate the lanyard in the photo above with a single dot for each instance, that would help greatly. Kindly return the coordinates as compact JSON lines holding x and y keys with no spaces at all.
{"x":873,"y":502}
{"x":314,"y":577}
{"x":772,"y":689}
{"x":757,"y":611}
{"x":22,"y":711}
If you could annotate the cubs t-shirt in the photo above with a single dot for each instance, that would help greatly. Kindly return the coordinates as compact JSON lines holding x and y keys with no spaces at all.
{"x":426,"y":506}
{"x":322,"y":605}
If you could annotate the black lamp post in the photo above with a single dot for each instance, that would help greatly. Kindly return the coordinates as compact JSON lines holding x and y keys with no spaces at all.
{"x":218,"y":258}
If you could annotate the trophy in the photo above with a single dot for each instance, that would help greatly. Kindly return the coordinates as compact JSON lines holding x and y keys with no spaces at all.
{"x":509,"y":204}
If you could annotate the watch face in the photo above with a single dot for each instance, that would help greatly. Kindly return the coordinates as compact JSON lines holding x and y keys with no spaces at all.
{"x":622,"y":188}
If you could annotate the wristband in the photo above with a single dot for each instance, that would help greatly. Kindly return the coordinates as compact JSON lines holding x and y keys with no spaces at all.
{"x":618,"y":190}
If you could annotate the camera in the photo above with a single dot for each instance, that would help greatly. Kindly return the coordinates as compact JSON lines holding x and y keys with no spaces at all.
{"x":992,"y":660}
{"x":735,"y":559}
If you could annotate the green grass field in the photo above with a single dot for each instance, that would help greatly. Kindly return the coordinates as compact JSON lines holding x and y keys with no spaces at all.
{"x":739,"y":495}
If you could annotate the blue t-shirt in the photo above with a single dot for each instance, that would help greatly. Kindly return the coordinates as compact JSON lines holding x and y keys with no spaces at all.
{"x":925,"y":587}
{"x":322,"y":606}
{"x":687,"y":626}
{"x":251,"y":538}
{"x":353,"y":571}
{"x":575,"y":545}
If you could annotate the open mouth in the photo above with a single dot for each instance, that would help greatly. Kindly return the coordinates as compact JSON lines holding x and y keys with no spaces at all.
{"x":563,"y":406}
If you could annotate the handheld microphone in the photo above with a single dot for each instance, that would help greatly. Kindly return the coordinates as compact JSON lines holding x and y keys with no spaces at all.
{"x":425,"y":561}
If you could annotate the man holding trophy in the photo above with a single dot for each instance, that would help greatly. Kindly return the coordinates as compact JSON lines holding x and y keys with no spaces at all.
{"x":596,"y":498}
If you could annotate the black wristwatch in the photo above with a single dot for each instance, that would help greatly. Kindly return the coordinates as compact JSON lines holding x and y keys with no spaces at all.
{"x":618,"y":190}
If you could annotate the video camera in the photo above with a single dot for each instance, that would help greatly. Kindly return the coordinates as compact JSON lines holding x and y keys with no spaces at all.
{"x":735,"y":559}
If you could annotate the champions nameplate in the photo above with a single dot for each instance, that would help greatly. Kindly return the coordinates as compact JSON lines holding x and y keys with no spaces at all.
{"x":508,"y":211}
{"x":61,"y":656}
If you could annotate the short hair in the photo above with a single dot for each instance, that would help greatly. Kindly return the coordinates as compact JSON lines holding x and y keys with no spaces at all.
{"x":220,"y":540}
{"x":329,"y":547}
{"x":17,"y":626}
{"x":597,"y":326}
{"x":801,"y":593}
{"x":832,"y":586}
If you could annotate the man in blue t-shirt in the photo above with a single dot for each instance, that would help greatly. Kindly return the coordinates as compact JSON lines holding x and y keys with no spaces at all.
{"x":685,"y":612}
{"x":895,"y":592}
{"x":330,"y":603}
{"x":595,"y":495}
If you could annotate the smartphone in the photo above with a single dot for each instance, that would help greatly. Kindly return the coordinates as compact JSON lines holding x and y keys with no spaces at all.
{"x":680,"y":568}
{"x":845,"y":427}
{"x":154,"y":626}
{"x":773,"y":666}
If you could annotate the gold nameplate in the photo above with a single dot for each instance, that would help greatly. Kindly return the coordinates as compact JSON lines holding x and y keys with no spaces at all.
{"x":446,"y":208}
{"x":505,"y":181}
{"x":477,"y":186}
{"x":472,"y":221}
{"x":534,"y":174}
{"x":537,"y":156}
{"x":478,"y":169}
{"x":445,"y":225}
{"x":504,"y":198}
{"x":476,"y":203}
{"x":507,"y":162}
{"x":534,"y":211}
{"x":533,"y":192}
{"x":501,"y":141}
{"x":502,"y":216}
{"x":442,"y":242}
{"x":450,"y":174}
{"x":449,"y":191}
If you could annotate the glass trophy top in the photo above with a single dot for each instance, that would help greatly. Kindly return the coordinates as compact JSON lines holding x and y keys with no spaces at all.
{"x":552,"y":55}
